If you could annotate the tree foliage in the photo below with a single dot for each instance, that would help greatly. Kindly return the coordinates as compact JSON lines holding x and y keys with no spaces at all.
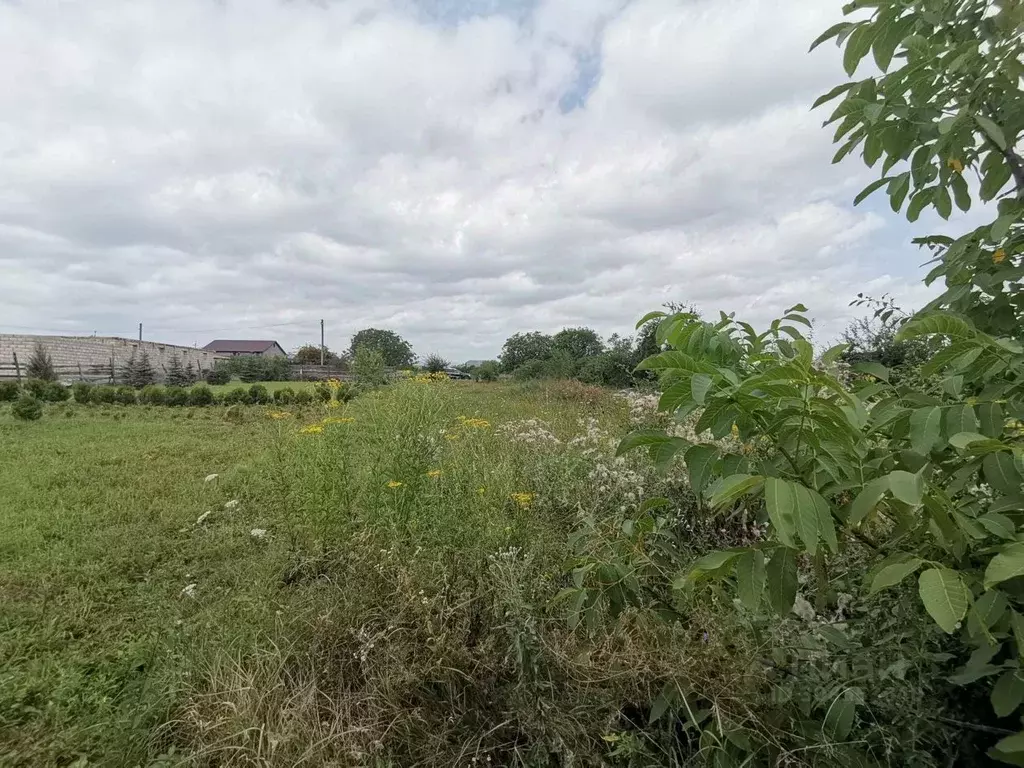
{"x":396,"y":351}
{"x":922,"y":482}
{"x":40,"y":364}
{"x":520,"y":348}
{"x":578,"y":343}
{"x":435,"y":363}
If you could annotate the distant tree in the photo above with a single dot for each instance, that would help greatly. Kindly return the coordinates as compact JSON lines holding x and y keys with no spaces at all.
{"x":368,"y":367}
{"x":190,"y":374}
{"x":175,"y":376}
{"x":138,"y":371}
{"x":396,"y":351}
{"x":578,"y":343}
{"x":435,"y":363}
{"x":520,"y":348}
{"x":309,"y":354}
{"x":40,"y":364}
{"x":488,"y":370}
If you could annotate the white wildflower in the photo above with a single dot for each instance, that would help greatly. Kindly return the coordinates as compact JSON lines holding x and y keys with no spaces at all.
{"x":210,"y":478}
{"x":231,"y":504}
{"x":189,"y":590}
{"x":258,"y":533}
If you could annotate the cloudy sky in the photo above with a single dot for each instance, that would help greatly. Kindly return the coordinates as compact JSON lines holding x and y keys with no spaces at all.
{"x":455,"y":170}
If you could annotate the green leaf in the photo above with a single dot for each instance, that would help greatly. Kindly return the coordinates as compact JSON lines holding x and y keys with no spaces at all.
{"x":992,"y":130}
{"x":780,"y":501}
{"x":877,"y":370}
{"x":699,"y":386}
{"x":675,"y":397}
{"x":942,"y":323}
{"x":898,"y":191}
{"x":644,"y":437}
{"x":750,"y":578}
{"x":839,"y":719}
{"x":663,"y":453}
{"x":715,"y":560}
{"x":946,"y":125}
{"x":1007,"y":693}
{"x":961,"y":192}
{"x":839,"y":90}
{"x":944,"y":596}
{"x":963,"y":439}
{"x":925,"y":425}
{"x":960,"y":418}
{"x":699,"y":460}
{"x":807,"y":519}
{"x":1001,"y":473}
{"x":668,"y":360}
{"x":1017,"y":623}
{"x":998,"y":525}
{"x":867,"y":500}
{"x":831,"y":32}
{"x":1001,"y":227}
{"x":991,"y":417}
{"x":857,"y":47}
{"x":648,"y":317}
{"x":782,"y":580}
{"x":873,"y":186}
{"x":1011,"y":746}
{"x":662,"y":702}
{"x":918,"y":201}
{"x":1007,"y":564}
{"x":908,"y":487}
{"x":733,"y":487}
{"x":656,"y":502}
{"x":943,"y":203}
{"x":891,"y":575}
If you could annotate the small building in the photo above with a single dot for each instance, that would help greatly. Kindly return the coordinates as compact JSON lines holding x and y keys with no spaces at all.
{"x":235,"y":347}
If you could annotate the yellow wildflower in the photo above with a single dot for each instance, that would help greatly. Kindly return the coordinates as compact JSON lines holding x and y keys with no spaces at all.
{"x":279,"y":414}
{"x":474,"y":423}
{"x":451,"y":436}
{"x":999,"y":256}
{"x":481,"y":490}
{"x":312,"y":429}
{"x":338,"y":420}
{"x":955,"y":165}
{"x":394,"y":484}
{"x":333,"y":404}
{"x":434,"y":473}
{"x":334,"y":383}
{"x":524,"y":500}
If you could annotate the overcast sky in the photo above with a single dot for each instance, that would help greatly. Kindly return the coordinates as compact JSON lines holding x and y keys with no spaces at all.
{"x":455,"y":171}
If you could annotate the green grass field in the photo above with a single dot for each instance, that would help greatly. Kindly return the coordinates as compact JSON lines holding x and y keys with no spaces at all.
{"x":143,"y":619}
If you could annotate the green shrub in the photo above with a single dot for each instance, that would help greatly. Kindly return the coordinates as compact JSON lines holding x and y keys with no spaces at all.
{"x":200,"y":395}
{"x":8,"y":391}
{"x":125,"y":395}
{"x":236,"y":396}
{"x":218,"y":376}
{"x":488,"y":371}
{"x":258,"y":395}
{"x":531,"y":369}
{"x":82,"y":392}
{"x":40,"y":364}
{"x":27,"y":408}
{"x":104,"y":394}
{"x":368,"y":367}
{"x":152,"y":394}
{"x":284,"y":396}
{"x":176,"y":396}
{"x":347,"y":391}
{"x":56,"y":393}
{"x":322,"y":392}
{"x":303,"y":397}
{"x":36,"y":387}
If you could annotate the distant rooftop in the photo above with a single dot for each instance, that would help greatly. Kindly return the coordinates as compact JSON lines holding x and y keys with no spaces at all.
{"x":241,"y":346}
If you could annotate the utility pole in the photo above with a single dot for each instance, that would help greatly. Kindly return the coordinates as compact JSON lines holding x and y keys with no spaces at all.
{"x":321,"y":341}
{"x":140,"y":331}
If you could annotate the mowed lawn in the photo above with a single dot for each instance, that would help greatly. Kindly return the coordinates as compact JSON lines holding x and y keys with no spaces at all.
{"x":116,"y":592}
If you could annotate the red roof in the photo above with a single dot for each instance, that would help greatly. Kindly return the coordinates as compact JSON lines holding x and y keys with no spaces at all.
{"x":241,"y":346}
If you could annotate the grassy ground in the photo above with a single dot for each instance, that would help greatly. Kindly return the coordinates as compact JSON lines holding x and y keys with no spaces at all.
{"x":429,"y":520}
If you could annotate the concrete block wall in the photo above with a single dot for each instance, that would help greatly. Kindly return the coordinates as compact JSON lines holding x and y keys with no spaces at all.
{"x":94,"y":353}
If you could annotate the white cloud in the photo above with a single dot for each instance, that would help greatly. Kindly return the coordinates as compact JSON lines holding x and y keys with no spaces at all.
{"x":244,"y":169}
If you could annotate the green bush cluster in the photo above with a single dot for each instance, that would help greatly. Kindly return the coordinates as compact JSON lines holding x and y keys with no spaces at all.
{"x":46,"y":391}
{"x":253,"y":368}
{"x":27,"y":408}
{"x":9,"y":391}
{"x":218,"y":376}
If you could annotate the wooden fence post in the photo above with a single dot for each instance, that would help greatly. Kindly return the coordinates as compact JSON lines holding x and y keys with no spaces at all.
{"x":17,"y":368}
